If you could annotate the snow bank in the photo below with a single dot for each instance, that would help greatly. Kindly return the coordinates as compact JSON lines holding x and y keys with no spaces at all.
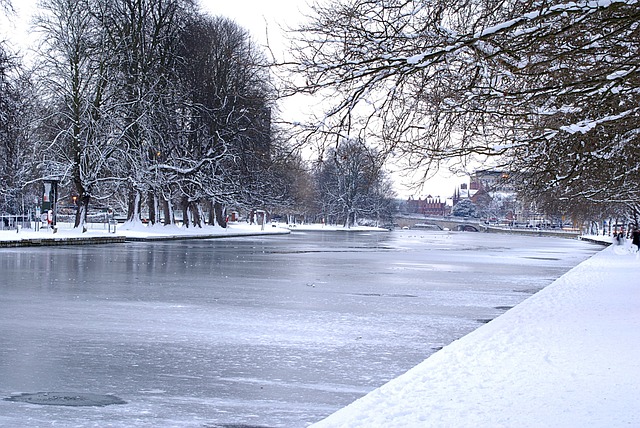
{"x":569,"y":356}
{"x":311,"y":227}
{"x":144,"y":232}
{"x":141,"y":231}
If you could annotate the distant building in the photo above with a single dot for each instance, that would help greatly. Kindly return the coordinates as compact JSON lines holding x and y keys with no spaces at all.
{"x":490,"y":180}
{"x":429,"y":206}
{"x":460,"y":194}
{"x":493,"y":192}
{"x":488,"y":189}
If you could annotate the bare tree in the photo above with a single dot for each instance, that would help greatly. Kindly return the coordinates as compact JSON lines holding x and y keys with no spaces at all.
{"x":291,"y":184}
{"x":74,"y":71}
{"x":17,"y":151}
{"x":6,"y":5}
{"x":225,"y":150}
{"x":351,"y":182}
{"x":143,"y":36}
{"x":536,"y":82}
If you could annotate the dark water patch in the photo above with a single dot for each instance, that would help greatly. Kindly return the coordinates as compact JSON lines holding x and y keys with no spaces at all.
{"x":528,"y":290}
{"x":503,"y":308}
{"x":234,"y":426}
{"x":484,"y":320}
{"x":70,"y":399}
{"x":332,"y":250}
{"x":384,"y":295}
{"x":541,"y":258}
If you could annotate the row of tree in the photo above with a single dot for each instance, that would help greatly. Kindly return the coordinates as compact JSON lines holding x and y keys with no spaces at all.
{"x":154,"y":101}
{"x":138,"y":100}
{"x":152,"y":106}
{"x":157,"y":102}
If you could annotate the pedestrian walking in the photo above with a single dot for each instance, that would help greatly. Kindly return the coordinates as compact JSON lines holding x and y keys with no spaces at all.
{"x":635,"y":237}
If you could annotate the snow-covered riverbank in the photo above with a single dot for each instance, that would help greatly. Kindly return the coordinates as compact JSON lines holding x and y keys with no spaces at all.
{"x":66,"y":232}
{"x":569,"y":356}
{"x":102,"y":233}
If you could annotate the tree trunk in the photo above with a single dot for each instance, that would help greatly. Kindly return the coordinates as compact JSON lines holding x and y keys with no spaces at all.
{"x":198,"y":214}
{"x":81,"y":212}
{"x":133,"y":206}
{"x":350,"y":220}
{"x":154,"y":208}
{"x":184,"y":206}
{"x":191,"y":213}
{"x":211,"y":218}
{"x":220,"y":214}
{"x":169,"y":217}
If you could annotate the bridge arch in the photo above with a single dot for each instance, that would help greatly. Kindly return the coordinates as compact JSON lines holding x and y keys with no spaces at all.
{"x":467,"y":228}
{"x":439,"y":224}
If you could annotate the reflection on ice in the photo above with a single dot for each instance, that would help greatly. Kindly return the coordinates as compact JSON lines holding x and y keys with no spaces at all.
{"x":71,"y":399}
{"x":275,"y":331}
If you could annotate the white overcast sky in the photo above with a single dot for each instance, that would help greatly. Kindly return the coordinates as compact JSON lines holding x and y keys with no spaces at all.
{"x":259,"y":17}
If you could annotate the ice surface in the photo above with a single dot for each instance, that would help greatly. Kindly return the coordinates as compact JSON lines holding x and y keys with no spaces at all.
{"x":266,"y":331}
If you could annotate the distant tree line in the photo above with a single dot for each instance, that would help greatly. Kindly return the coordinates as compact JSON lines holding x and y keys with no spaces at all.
{"x":351,"y":185}
{"x":162,"y":108}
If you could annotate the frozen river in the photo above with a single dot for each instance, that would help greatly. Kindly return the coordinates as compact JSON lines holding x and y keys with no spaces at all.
{"x":273,"y":331}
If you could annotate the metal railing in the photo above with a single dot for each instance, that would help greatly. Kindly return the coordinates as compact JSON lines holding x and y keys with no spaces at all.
{"x":16,"y":221}
{"x":26,"y":223}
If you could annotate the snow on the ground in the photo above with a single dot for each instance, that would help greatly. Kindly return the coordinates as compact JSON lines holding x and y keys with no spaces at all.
{"x":569,"y":356}
{"x":140,"y":230}
{"x":311,"y":227}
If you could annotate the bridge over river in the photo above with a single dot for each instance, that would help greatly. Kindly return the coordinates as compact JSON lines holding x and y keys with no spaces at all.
{"x":475,"y":225}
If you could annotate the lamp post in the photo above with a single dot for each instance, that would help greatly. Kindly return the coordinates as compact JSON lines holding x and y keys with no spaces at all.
{"x":50,"y":201}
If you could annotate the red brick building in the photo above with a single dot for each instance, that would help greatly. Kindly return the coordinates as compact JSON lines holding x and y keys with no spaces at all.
{"x":428,"y":206}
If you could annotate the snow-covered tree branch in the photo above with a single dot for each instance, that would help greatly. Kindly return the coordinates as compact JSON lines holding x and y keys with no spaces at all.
{"x":539,"y":86}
